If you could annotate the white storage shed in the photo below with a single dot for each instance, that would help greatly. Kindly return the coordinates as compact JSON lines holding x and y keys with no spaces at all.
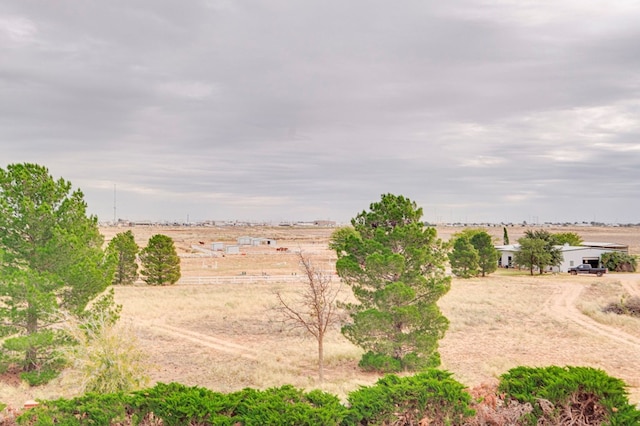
{"x":232,"y":249}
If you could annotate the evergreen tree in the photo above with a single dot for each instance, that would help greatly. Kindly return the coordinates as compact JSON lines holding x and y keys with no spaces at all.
{"x":395,"y":267}
{"x":160,"y":261}
{"x":51,"y":264}
{"x":562,"y":238}
{"x":554,"y":257}
{"x":464,"y":258}
{"x":532,"y":253}
{"x":124,"y":250}
{"x":487,"y":253}
{"x":486,"y":259}
{"x":505,"y":236}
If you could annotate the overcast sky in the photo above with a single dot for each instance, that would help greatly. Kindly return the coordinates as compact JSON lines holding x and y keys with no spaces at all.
{"x":498,"y":111}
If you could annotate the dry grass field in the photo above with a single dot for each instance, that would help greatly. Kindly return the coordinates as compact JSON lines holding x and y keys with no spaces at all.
{"x":216,"y":328}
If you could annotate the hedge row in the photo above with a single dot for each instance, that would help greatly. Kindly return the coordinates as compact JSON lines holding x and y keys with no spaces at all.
{"x":432,"y":396}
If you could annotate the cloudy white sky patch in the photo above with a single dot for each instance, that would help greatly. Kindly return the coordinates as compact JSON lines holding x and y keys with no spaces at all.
{"x":477,"y":110}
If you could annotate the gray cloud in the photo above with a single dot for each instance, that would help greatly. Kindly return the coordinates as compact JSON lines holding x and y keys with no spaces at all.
{"x":479,"y":111}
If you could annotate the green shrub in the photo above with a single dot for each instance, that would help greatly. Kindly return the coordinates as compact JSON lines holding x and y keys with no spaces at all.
{"x":413,"y":362}
{"x":175,"y":405}
{"x":88,"y":409}
{"x":432,"y":394}
{"x":558,"y":395}
{"x":379,"y":363}
{"x":561,"y":395}
{"x":40,"y":377}
{"x":288,"y":405}
{"x":619,"y":262}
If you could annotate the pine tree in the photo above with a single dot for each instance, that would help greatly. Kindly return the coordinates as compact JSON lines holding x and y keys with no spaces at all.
{"x":124,"y":250}
{"x":51,"y":264}
{"x":395,"y":268}
{"x":464,"y":258}
{"x":160,"y":261}
{"x":487,"y":253}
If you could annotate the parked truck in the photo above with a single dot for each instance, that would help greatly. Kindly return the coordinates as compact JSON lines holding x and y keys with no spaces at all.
{"x":585,"y":268}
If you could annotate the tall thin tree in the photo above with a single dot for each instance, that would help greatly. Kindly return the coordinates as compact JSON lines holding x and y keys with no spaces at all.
{"x":315,"y":309}
{"x":124,"y":250}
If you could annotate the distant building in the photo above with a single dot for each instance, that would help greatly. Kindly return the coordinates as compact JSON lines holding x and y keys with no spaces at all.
{"x":264,"y":241}
{"x":325,"y":223}
{"x":572,"y":255}
{"x":232,"y":249}
{"x":252,"y":241}
{"x":244,"y":241}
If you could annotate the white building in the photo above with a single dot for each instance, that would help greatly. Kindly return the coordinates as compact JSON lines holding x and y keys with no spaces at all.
{"x":252,"y":241}
{"x":245,"y":241}
{"x":232,"y":249}
{"x":588,"y":252}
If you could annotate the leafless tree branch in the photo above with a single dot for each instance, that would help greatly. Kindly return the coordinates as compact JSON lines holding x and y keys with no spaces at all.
{"x":316,"y":310}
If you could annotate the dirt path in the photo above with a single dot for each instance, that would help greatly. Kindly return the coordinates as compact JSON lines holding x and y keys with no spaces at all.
{"x":630,"y":282}
{"x":200,"y":339}
{"x":562,"y":306}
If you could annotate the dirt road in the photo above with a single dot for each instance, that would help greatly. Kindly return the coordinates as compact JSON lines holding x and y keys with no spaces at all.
{"x":562,"y":306}
{"x":201,"y":339}
{"x":630,"y":282}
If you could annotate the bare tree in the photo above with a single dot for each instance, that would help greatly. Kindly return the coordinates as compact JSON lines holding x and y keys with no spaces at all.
{"x":315,"y":309}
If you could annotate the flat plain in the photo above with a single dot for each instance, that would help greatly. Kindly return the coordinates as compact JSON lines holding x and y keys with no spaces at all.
{"x":217,"y":328}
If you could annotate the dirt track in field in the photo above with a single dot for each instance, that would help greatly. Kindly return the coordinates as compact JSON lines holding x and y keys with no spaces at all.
{"x":201,"y":339}
{"x":631,"y":283}
{"x":563,"y":307}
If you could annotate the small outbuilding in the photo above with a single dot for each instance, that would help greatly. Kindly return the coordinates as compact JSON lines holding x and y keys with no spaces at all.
{"x":264,"y":242}
{"x":253,"y":241}
{"x":245,"y":241}
{"x":232,"y":249}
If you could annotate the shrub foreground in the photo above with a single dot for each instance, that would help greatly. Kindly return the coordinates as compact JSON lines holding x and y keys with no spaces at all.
{"x":525,"y":396}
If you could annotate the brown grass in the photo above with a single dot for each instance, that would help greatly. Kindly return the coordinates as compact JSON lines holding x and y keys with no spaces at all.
{"x":223,"y":336}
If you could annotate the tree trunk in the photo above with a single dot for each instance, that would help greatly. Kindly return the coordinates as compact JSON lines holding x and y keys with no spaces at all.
{"x":31,"y":355}
{"x":321,"y":357}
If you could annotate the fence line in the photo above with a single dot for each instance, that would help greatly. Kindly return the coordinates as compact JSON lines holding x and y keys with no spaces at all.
{"x":241,"y":279}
